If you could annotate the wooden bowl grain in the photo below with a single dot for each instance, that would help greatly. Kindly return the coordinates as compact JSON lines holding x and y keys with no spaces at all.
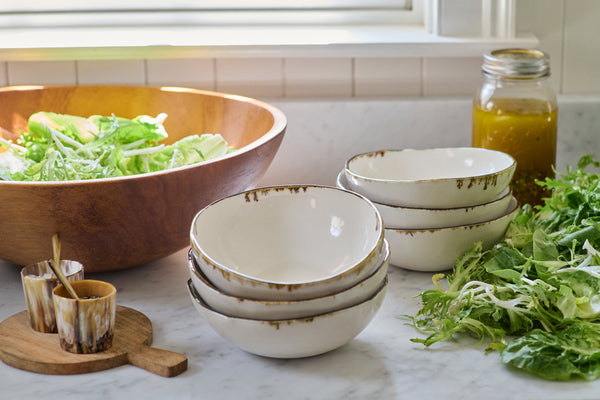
{"x":116,"y":223}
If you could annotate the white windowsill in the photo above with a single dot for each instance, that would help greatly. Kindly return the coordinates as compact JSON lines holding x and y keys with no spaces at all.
{"x":95,"y":43}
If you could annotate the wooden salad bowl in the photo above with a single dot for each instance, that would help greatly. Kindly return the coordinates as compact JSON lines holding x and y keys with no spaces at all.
{"x":116,"y":223}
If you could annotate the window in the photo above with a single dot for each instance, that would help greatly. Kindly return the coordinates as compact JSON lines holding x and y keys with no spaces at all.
{"x":32,"y":13}
{"x":100,"y":29}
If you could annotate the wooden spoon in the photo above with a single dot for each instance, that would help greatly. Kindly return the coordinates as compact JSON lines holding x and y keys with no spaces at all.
{"x":54,"y":264}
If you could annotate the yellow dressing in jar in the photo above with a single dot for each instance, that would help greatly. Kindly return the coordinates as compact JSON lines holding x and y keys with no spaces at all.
{"x":525,"y":129}
{"x":515,"y":112}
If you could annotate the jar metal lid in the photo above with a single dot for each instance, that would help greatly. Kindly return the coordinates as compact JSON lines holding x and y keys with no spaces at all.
{"x":516,"y":63}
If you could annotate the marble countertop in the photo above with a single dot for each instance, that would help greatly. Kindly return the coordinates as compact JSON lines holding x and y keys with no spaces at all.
{"x":380,"y":363}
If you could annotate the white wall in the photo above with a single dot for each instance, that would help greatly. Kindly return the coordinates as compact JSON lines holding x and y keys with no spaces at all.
{"x":568,"y":30}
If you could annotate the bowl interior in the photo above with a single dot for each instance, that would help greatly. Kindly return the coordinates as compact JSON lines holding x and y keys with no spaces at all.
{"x":189,"y":111}
{"x":292,"y":234}
{"x":380,"y":269}
{"x":428,"y":164}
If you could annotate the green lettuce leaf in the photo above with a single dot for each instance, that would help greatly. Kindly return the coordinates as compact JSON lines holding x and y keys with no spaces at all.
{"x":540,"y":285}
{"x":560,"y":355}
{"x":61,"y":147}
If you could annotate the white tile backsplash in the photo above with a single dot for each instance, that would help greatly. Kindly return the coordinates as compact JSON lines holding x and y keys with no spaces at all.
{"x":41,"y":73}
{"x":196,"y":73}
{"x":255,"y":77}
{"x":387,"y":77}
{"x":451,"y":76}
{"x":111,"y":72}
{"x":318,"y":77}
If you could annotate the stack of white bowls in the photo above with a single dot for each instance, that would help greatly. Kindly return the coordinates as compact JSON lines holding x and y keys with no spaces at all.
{"x":288,"y":271}
{"x":435,"y":203}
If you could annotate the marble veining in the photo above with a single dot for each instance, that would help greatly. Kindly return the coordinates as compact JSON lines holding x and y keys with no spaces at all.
{"x":380,"y":363}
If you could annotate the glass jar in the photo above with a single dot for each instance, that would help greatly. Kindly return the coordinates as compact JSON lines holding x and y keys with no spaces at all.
{"x":515,"y":111}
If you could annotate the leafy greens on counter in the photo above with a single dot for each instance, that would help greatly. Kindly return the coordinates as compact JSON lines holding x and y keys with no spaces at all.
{"x":60,"y":147}
{"x":539,"y":286}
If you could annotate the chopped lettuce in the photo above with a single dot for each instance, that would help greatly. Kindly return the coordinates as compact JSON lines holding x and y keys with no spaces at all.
{"x":572,"y":351}
{"x":59,"y":147}
{"x":540,"y":286}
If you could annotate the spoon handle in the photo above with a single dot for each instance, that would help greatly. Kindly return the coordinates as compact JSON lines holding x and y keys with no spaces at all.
{"x":55,"y":266}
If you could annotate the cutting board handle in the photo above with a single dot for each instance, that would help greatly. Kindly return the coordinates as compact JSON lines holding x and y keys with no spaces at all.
{"x":161,"y":362}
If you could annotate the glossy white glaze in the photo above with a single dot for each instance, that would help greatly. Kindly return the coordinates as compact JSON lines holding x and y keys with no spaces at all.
{"x":276,"y":310}
{"x":430,"y":178}
{"x":287,"y":242}
{"x":293,"y":338}
{"x":397,"y":217}
{"x":436,"y":249}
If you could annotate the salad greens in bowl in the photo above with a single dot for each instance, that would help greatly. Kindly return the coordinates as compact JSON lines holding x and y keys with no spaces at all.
{"x":60,"y":147}
{"x":119,"y":171}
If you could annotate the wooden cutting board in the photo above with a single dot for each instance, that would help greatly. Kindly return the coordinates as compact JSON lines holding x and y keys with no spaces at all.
{"x":24,"y":348}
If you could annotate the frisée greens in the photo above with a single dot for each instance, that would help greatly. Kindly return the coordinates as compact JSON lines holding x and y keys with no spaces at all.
{"x":540,"y":286}
{"x":60,"y":147}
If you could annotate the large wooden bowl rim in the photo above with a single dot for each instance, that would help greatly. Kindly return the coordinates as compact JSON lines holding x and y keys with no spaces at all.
{"x":279,"y":124}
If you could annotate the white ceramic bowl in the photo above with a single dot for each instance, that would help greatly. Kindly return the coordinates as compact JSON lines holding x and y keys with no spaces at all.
{"x":292,"y":338}
{"x":423,"y":218}
{"x":437,"y":249}
{"x":287,"y":242}
{"x":431,"y":178}
{"x":277,"y":310}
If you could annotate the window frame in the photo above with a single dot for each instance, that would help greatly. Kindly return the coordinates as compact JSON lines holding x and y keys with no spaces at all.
{"x":72,"y":5}
{"x":434,"y":35}
{"x":74,"y":13}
